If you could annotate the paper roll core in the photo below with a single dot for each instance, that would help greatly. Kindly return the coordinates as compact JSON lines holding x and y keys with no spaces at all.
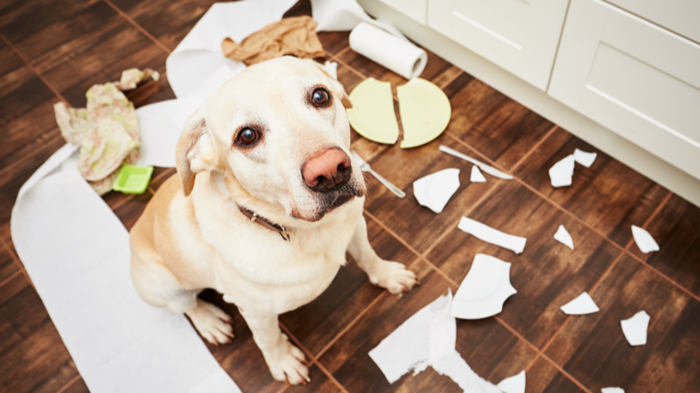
{"x":392,"y":52}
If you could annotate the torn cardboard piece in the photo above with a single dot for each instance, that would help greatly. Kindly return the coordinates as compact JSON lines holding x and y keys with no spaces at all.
{"x":435,"y":190}
{"x":476,"y":175}
{"x":514,"y":384}
{"x":294,"y":36}
{"x":563,"y":237}
{"x":644,"y":241}
{"x":493,"y":236}
{"x":484,"y":290}
{"x":635,"y":328}
{"x":581,"y":305}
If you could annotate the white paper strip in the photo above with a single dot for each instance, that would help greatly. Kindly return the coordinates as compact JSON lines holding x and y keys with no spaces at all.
{"x":514,"y":384}
{"x":612,"y":390}
{"x":428,"y":339}
{"x":199,"y":54}
{"x":564,"y":237}
{"x":476,"y":176}
{"x":583,"y":304}
{"x":562,"y":172}
{"x":584,"y":158}
{"x":644,"y":241}
{"x":635,"y":328}
{"x":484,"y":290}
{"x":435,"y":190}
{"x":493,"y":236}
{"x":77,"y":254}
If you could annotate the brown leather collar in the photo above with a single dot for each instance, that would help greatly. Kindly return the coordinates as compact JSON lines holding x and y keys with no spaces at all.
{"x":254,"y":217}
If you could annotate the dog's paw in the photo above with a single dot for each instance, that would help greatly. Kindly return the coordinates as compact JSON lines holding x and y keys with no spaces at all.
{"x":289,"y":365}
{"x":212,"y":323}
{"x":393,"y":276}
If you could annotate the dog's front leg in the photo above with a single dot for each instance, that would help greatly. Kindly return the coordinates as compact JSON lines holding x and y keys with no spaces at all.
{"x":390,"y":275}
{"x":286,"y":362}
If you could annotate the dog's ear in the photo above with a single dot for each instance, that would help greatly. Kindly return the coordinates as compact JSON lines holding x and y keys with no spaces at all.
{"x":195,"y":151}
{"x":337,"y":87}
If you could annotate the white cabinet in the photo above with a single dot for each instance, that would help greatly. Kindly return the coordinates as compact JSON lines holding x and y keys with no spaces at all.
{"x":414,"y":9}
{"x":520,"y":36}
{"x":633,"y":77}
{"x":680,"y":16}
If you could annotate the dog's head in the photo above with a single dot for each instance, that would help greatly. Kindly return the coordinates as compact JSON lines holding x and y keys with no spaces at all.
{"x":279,"y":130}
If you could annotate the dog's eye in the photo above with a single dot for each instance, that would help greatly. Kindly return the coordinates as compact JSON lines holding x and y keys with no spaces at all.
{"x":320,"y":97}
{"x":247,"y":137}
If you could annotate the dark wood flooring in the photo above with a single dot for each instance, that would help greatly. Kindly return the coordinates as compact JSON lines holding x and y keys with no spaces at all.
{"x":53,"y":50}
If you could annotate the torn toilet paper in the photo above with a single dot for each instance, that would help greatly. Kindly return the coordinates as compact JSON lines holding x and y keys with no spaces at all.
{"x":484,"y":290}
{"x":76,"y":252}
{"x":562,"y":172}
{"x":493,"y":236}
{"x":435,"y":190}
{"x":635,"y":328}
{"x":514,"y":384}
{"x":344,"y":15}
{"x":564,"y":237}
{"x":476,"y":175}
{"x":644,"y":241}
{"x":432,"y":334}
{"x":584,"y":158}
{"x":583,"y":304}
{"x":199,"y":54}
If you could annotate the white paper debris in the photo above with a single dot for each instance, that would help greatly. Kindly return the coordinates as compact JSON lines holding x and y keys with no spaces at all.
{"x":344,"y":15}
{"x":484,"y":290}
{"x":582,"y":305}
{"x":476,"y":176}
{"x":514,"y":384}
{"x":459,"y":371}
{"x":635,"y":328}
{"x":562,"y":172}
{"x":563,"y":237}
{"x":76,"y":252}
{"x":612,"y":390}
{"x":584,"y":158}
{"x":435,"y":190}
{"x":644,"y":241}
{"x":428,"y":339}
{"x":331,"y":67}
{"x":199,"y":54}
{"x":493,"y":236}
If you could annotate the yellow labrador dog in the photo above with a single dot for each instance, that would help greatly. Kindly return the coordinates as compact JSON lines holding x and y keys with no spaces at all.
{"x":267,"y":203}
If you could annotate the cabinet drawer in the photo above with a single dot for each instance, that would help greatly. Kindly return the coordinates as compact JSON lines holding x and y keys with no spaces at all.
{"x":414,"y":9}
{"x":520,"y":36}
{"x":680,"y":16}
{"x":637,"y":79}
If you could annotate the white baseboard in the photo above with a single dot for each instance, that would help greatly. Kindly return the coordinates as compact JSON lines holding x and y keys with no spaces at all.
{"x":644,"y":162}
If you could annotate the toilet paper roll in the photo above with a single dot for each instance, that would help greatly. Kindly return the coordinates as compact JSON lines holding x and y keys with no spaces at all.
{"x":388,"y":50}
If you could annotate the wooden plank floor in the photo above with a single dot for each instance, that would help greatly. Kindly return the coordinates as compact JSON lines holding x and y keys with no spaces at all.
{"x":52,"y":50}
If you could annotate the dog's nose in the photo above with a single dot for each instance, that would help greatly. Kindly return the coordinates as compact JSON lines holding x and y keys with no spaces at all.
{"x":327,"y":170}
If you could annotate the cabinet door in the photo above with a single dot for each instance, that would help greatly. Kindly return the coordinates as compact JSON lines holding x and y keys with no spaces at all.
{"x":637,"y":79}
{"x":520,"y":36}
{"x":415,"y":9}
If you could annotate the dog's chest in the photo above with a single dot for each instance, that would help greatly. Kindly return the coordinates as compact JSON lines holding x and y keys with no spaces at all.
{"x":257,"y":268}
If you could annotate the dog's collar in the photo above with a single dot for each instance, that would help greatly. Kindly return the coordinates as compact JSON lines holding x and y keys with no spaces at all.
{"x":254,"y":217}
